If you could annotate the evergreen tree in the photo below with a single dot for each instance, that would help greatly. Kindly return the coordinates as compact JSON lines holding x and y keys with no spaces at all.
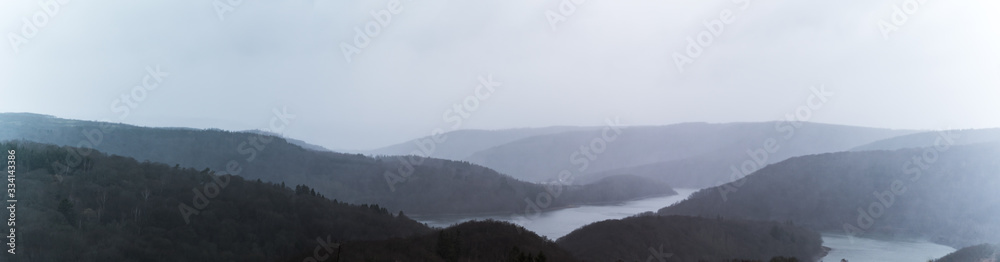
{"x":66,"y":208}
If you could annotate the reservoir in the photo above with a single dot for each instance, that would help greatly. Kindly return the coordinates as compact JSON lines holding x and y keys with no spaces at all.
{"x":558,"y":223}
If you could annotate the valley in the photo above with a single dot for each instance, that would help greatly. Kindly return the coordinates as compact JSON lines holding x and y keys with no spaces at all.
{"x":803,"y":206}
{"x":500,"y":131}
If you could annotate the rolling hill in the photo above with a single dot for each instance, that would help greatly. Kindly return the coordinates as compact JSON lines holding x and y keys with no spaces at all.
{"x":408,"y":183}
{"x":460,"y":144}
{"x":470,"y":241}
{"x":977,"y":253}
{"x":681,"y":238}
{"x":928,"y":139}
{"x":115,"y":208}
{"x":946,"y":194}
{"x":684,"y":155}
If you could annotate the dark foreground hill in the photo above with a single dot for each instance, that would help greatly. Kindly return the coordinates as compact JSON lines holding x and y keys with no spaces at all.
{"x":412,"y":184}
{"x":947,"y":193}
{"x":680,"y":238}
{"x":491,"y":241}
{"x":114,"y":208}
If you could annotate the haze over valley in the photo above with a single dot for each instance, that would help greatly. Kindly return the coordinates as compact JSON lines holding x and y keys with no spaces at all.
{"x":510,"y":131}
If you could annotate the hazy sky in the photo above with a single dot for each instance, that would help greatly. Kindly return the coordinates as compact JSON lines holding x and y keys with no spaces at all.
{"x":940,"y":67}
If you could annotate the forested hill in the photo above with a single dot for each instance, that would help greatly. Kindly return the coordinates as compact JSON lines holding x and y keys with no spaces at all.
{"x":114,"y":208}
{"x":680,"y":238}
{"x":492,"y":241}
{"x":948,"y":194}
{"x":411,"y":184}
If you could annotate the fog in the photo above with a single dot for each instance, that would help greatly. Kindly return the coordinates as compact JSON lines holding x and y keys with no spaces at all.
{"x":230,"y":65}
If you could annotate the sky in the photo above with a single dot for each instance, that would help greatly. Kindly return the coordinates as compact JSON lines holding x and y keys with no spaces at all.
{"x":229,"y":64}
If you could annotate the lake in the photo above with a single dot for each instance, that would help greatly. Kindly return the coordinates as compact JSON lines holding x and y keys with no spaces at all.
{"x":558,"y":223}
{"x":864,"y":249}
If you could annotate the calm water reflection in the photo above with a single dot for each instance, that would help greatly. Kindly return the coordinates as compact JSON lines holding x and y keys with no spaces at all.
{"x":863,"y":249}
{"x":555,"y":224}
{"x":558,"y":223}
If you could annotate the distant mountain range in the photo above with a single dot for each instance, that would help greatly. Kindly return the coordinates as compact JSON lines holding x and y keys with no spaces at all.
{"x":460,"y":144}
{"x":931,"y":138}
{"x":770,"y":186}
{"x":412,"y":184}
{"x":77,"y":199}
{"x":692,"y":155}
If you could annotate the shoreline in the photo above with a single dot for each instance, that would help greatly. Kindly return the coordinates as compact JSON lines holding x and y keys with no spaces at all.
{"x":916,"y":238}
{"x":825,"y":250}
{"x":574,"y":205}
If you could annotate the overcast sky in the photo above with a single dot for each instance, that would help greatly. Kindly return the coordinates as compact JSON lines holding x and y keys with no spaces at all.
{"x":939,"y":68}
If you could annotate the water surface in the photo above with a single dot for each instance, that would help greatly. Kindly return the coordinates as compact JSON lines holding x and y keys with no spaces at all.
{"x":558,"y":223}
{"x":864,"y":249}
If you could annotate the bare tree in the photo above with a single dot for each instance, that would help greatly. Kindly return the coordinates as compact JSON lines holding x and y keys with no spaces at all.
{"x":102,"y":200}
{"x":137,"y":217}
{"x":145,"y":195}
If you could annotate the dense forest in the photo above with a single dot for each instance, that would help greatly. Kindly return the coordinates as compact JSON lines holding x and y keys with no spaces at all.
{"x":947,"y":194}
{"x":412,"y":184}
{"x":615,"y":187}
{"x":171,"y":190}
{"x":487,"y":241}
{"x":681,"y":238}
{"x":114,"y":208}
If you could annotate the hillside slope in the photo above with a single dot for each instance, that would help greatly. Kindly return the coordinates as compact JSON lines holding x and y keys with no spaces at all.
{"x":117,"y":209}
{"x":411,"y":184}
{"x":927,"y":139}
{"x":460,"y":144}
{"x":977,"y":253}
{"x":948,"y":194}
{"x":681,"y":238}
{"x":492,"y":241}
{"x":684,"y":155}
